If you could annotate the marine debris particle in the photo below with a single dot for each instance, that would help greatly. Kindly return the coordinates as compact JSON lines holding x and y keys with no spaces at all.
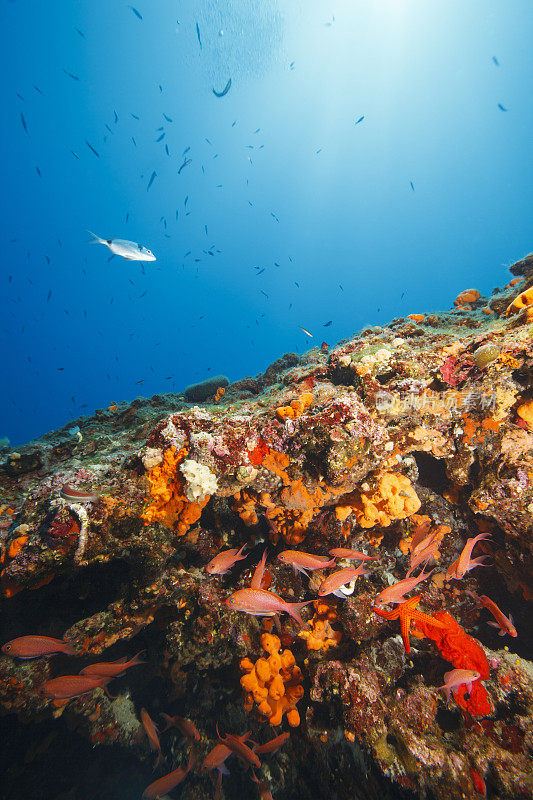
{"x":407,"y":444}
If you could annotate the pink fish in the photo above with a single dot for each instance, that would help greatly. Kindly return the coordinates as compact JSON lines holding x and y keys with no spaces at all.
{"x":302,"y":562}
{"x":505,"y":624}
{"x":419,"y":534}
{"x":112,"y":669}
{"x":168,"y":782}
{"x":423,"y":557}
{"x":396,"y":592}
{"x":185,"y":726}
{"x":224,"y":561}
{"x":465,"y":562}
{"x":340,"y":578}
{"x":257,"y":577}
{"x":35,"y":646}
{"x":261,"y":603}
{"x":273,"y":745}
{"x":68,"y":686}
{"x":458,"y":677}
{"x":151,"y":731}
{"x":355,"y":555}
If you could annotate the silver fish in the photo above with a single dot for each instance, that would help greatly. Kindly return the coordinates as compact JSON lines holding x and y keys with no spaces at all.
{"x":131,"y":251}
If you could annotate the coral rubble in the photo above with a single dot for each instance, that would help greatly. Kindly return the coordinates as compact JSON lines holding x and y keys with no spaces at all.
{"x":402,"y":442}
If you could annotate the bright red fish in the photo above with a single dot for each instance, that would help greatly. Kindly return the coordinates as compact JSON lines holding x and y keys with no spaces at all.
{"x":112,"y":669}
{"x":185,"y":726}
{"x":151,"y":731}
{"x":273,"y":745}
{"x":261,"y":603}
{"x":241,"y":750}
{"x":35,"y":646}
{"x":68,"y":686}
{"x":168,"y":782}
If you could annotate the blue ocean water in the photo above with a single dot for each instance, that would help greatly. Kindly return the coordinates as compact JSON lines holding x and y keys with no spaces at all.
{"x":370,"y":159}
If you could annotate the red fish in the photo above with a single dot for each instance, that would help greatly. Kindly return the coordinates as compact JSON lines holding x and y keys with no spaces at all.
{"x":396,"y":592}
{"x":35,"y":646}
{"x":151,"y":731}
{"x":216,"y":757}
{"x":261,"y":603}
{"x":273,"y":745}
{"x":168,"y":782}
{"x":75,"y":495}
{"x":241,"y":750}
{"x":505,"y":624}
{"x":68,"y":686}
{"x":355,"y":555}
{"x":112,"y":669}
{"x":257,"y":577}
{"x":465,"y":562}
{"x":185,"y":726}
{"x":301,"y":562}
{"x":334,"y":582}
{"x":224,"y":561}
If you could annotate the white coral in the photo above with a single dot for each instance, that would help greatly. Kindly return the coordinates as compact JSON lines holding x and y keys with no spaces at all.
{"x":200,"y":480}
{"x":152,"y":457}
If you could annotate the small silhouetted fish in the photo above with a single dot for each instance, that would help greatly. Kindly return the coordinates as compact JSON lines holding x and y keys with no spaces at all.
{"x":127,"y":216}
{"x":160,"y":139}
{"x":307,"y":333}
{"x":260,"y":271}
{"x":340,"y":287}
{"x":411,"y":184}
{"x":205,"y":228}
{"x":233,"y":123}
{"x":187,"y":253}
{"x":81,"y":33}
{"x":38,"y":172}
{"x":207,"y":140}
{"x":134,"y":142}
{"x":167,"y":151}
{"x":502,"y":108}
{"x":186,"y":200}
{"x":22,"y":119}
{"x":327,"y":324}
{"x":137,"y":382}
{"x":37,"y":89}
{"x":139,"y":16}
{"x":496,"y":61}
{"x":274,"y":216}
{"x":152,"y":176}
{"x":262,"y":292}
{"x":60,"y":369}
{"x":47,"y":259}
{"x":71,"y":75}
{"x":20,"y":97}
{"x":224,"y":91}
{"x":186,"y":162}
{"x":116,"y":116}
{"x":186,"y":150}
{"x":318,"y":151}
{"x":160,"y":89}
{"x":198,"y":35}
{"x":161,"y":128}
{"x":168,"y":119}
{"x":49,"y":295}
{"x":75,"y":155}
{"x":89,"y":145}
{"x":109,"y":129}
{"x":134,"y":115}
{"x":360,"y":119}
{"x":291,"y":65}
{"x":143,"y":294}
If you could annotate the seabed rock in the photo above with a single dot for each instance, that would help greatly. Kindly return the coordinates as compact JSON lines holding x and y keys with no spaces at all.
{"x":105,"y":537}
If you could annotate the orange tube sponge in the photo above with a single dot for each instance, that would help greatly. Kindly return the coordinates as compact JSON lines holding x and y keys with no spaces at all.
{"x":297,"y":407}
{"x":322,"y":636}
{"x":392,"y":498}
{"x":523,"y":300}
{"x":464,"y":298}
{"x":169,"y":504}
{"x":273,"y":683}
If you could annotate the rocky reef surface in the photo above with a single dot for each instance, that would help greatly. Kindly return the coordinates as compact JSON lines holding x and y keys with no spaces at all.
{"x":425,"y":424}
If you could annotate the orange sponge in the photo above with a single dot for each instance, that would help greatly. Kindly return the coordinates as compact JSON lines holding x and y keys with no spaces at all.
{"x":322,"y":636}
{"x":392,"y":498}
{"x":297,"y":407}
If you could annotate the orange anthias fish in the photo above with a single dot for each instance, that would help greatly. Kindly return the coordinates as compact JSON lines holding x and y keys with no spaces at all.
{"x":224,"y":561}
{"x":303,"y":562}
{"x":457,"y":677}
{"x":351,"y":555}
{"x":168,"y":782}
{"x":465,"y":562}
{"x":185,"y":726}
{"x":261,"y":603}
{"x":396,"y":592}
{"x":257,"y":577}
{"x":151,"y":731}
{"x":112,"y":669}
{"x":241,"y":750}
{"x":505,"y":624}
{"x":216,"y":757}
{"x":68,"y":686}
{"x":340,"y":578}
{"x":273,"y":745}
{"x":35,"y":646}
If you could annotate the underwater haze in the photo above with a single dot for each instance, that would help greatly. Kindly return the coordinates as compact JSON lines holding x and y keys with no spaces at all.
{"x":367,"y":160}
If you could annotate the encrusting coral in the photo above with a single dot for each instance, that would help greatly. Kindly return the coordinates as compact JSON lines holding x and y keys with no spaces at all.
{"x":273,"y":683}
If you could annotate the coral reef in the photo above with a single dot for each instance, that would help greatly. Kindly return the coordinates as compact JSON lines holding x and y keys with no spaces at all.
{"x":403,"y":443}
